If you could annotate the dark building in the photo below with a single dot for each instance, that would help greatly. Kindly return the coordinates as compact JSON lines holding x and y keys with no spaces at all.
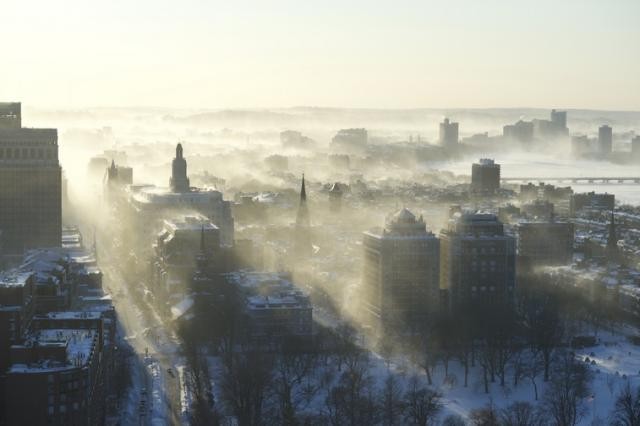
{"x":448,"y":134}
{"x":17,"y":307}
{"x":477,"y":260}
{"x":400,"y":286}
{"x":590,"y":201}
{"x":179,"y":181}
{"x":30,"y":187}
{"x":56,"y":377}
{"x":545,"y":243}
{"x":605,"y":139}
{"x":485,"y":176}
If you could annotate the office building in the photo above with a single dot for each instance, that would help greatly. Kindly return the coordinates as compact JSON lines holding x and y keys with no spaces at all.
{"x":30,"y":185}
{"x":400,"y":286}
{"x":605,"y":140}
{"x":477,"y":260}
{"x":448,"y":134}
{"x":485,"y":176}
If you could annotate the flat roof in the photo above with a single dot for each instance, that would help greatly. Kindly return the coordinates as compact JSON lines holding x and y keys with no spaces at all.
{"x":14,"y":278}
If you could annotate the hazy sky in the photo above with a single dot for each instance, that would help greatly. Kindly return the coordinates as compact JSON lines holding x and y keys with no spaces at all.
{"x":270,"y":53}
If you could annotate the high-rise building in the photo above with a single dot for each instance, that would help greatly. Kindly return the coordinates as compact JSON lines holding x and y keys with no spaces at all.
{"x":30,"y":185}
{"x":477,"y":260}
{"x":545,"y":243}
{"x":605,"y":139}
{"x":485,"y":176}
{"x":448,"y":134}
{"x":400,"y":286}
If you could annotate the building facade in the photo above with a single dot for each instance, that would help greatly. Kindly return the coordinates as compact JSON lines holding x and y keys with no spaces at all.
{"x":477,"y":260}
{"x":485,"y":176}
{"x":30,"y":187}
{"x":448,"y":134}
{"x":400,"y":285}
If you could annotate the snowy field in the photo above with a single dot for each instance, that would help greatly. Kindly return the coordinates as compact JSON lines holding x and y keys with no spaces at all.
{"x":614,"y":362}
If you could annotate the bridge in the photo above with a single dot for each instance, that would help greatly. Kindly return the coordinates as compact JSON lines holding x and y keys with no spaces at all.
{"x":575,"y":179}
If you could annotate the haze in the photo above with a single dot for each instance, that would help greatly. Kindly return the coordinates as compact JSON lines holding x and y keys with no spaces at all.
{"x":464,"y":54}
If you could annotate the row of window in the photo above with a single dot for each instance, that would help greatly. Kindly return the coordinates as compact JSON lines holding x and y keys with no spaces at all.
{"x":27,"y":153}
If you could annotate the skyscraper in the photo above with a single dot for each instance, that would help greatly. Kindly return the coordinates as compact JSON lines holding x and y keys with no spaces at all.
{"x":400,"y":285}
{"x":477,"y":260}
{"x":605,"y":139}
{"x":448,"y":134}
{"x":30,"y":185}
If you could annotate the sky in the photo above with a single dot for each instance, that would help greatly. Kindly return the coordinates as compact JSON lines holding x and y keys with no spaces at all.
{"x":348,"y":53}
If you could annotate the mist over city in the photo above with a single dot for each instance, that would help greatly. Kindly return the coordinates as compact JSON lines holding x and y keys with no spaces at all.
{"x":280,"y":213}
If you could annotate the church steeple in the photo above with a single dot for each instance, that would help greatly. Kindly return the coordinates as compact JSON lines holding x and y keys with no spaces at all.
{"x":179,"y":181}
{"x":302,"y":241}
{"x":302,"y":218}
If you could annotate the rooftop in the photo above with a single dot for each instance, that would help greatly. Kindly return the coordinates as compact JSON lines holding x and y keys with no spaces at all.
{"x":79,"y":345}
{"x":14,"y":278}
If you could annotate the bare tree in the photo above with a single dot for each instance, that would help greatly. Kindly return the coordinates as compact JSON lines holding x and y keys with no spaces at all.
{"x":566,"y":391}
{"x":521,"y":413}
{"x":544,"y":327}
{"x":533,"y":369}
{"x":626,"y":411}
{"x":352,"y":401}
{"x":422,"y":405}
{"x":391,"y":403}
{"x":245,"y":383}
